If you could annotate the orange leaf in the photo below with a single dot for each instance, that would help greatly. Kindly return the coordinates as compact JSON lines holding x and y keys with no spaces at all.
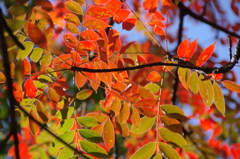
{"x":2,"y":78}
{"x":141,"y":59}
{"x":149,"y":112}
{"x":36,"y":35}
{"x":128,"y":61}
{"x":156,"y":22}
{"x":72,"y":28}
{"x":129,"y":23}
{"x":205,"y":55}
{"x":90,"y":35}
{"x":166,"y":2}
{"x":113,"y":5}
{"x":87,"y":45}
{"x":108,"y":134}
{"x":27,"y":67}
{"x":99,"y":12}
{"x":150,"y":5}
{"x":135,"y":117}
{"x":149,"y":102}
{"x":182,"y":48}
{"x":69,"y":17}
{"x":124,"y":113}
{"x":121,"y":15}
{"x":232,"y":86}
{"x":95,"y":24}
{"x":34,"y":128}
{"x":17,"y":92}
{"x":53,"y":95}
{"x":154,"y":76}
{"x":61,"y":59}
{"x":190,"y":50}
{"x":122,"y":128}
{"x":30,"y":88}
{"x":159,"y":16}
{"x":158,"y":30}
{"x":70,"y":40}
{"x":99,"y":2}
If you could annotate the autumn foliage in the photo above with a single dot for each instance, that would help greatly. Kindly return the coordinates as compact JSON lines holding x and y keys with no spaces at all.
{"x":83,"y":88}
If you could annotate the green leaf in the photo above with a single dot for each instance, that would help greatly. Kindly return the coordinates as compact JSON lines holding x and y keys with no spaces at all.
{"x":218,"y":98}
{"x":153,"y":87}
{"x":184,"y":75}
{"x":65,"y":125}
{"x":46,"y":60}
{"x":27,"y":102}
{"x":64,"y":113}
{"x":15,"y":25}
{"x":44,"y":79}
{"x":17,"y":9}
{"x":22,"y":54}
{"x":93,"y":149}
{"x":172,"y":137}
{"x":168,"y":151}
{"x":66,"y":152}
{"x":51,"y":72}
{"x":157,"y":156}
{"x":36,"y":54}
{"x":206,"y":90}
{"x":91,"y":135}
{"x":74,"y":7}
{"x":39,"y":84}
{"x":88,"y":122}
{"x":194,"y":82}
{"x":173,"y":111}
{"x":145,"y":151}
{"x":67,"y":137}
{"x":84,"y":94}
{"x":146,"y":124}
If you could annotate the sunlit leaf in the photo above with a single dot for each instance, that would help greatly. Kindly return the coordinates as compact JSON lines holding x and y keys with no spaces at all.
{"x":184,"y":77}
{"x":72,"y":28}
{"x":64,"y":113}
{"x":135,"y":117}
{"x":172,"y":137}
{"x":88,"y":122}
{"x":156,"y":23}
{"x":27,"y":67}
{"x":87,"y":45}
{"x":194,"y":82}
{"x":205,"y":55}
{"x":36,"y":35}
{"x":124,"y":113}
{"x":190,"y":50}
{"x":218,"y":98}
{"x":99,"y":116}
{"x":84,"y":94}
{"x":168,"y":151}
{"x":173,"y":111}
{"x":145,"y":151}
{"x":69,"y":17}
{"x":44,"y":79}
{"x":182,"y":48}
{"x":66,"y":152}
{"x":99,"y":12}
{"x":30,"y":88}
{"x":149,"y":112}
{"x":15,"y":25}
{"x":65,"y":125}
{"x":159,"y":30}
{"x":149,"y":102}
{"x":74,"y":7}
{"x":159,"y":16}
{"x":22,"y":54}
{"x":99,"y":2}
{"x":232,"y":86}
{"x":36,"y":54}
{"x":113,"y":5}
{"x":154,"y":76}
{"x":115,"y":107}
{"x":122,"y":127}
{"x":95,"y":24}
{"x":206,"y":90}
{"x":2,"y":78}
{"x":153,"y":87}
{"x":90,"y":35}
{"x":67,"y":137}
{"x":91,"y":135}
{"x":34,"y":128}
{"x":93,"y":149}
{"x":108,"y":134}
{"x":17,"y":92}
{"x":129,"y":23}
{"x":158,"y":156}
{"x":46,"y":60}
{"x":146,"y":124}
{"x":53,"y":95}
{"x":121,"y":15}
{"x":80,"y":80}
{"x":145,"y":93}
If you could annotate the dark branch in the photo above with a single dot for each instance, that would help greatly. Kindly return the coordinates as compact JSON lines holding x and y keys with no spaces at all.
{"x":202,"y":19}
{"x":178,"y":63}
{"x":230,"y":47}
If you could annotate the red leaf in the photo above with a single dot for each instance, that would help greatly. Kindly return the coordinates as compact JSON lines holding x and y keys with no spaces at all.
{"x":182,"y":48}
{"x":45,"y":4}
{"x":154,"y":76}
{"x":87,"y":45}
{"x":158,"y":30}
{"x":17,"y":92}
{"x":166,"y":2}
{"x":61,"y":59}
{"x":159,"y":16}
{"x":129,"y":23}
{"x":70,"y":40}
{"x":156,"y":22}
{"x":27,"y":67}
{"x":113,"y":5}
{"x":36,"y":35}
{"x":99,"y":12}
{"x":141,"y":59}
{"x":30,"y":88}
{"x":150,"y":5}
{"x":99,"y":2}
{"x":95,"y":24}
{"x":149,"y":102}
{"x":90,"y":35}
{"x":205,"y":55}
{"x":190,"y":50}
{"x":125,"y":47}
{"x":121,"y":15}
{"x":128,"y":61}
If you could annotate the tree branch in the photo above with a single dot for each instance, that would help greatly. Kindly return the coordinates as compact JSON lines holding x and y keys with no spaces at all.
{"x":202,"y":19}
